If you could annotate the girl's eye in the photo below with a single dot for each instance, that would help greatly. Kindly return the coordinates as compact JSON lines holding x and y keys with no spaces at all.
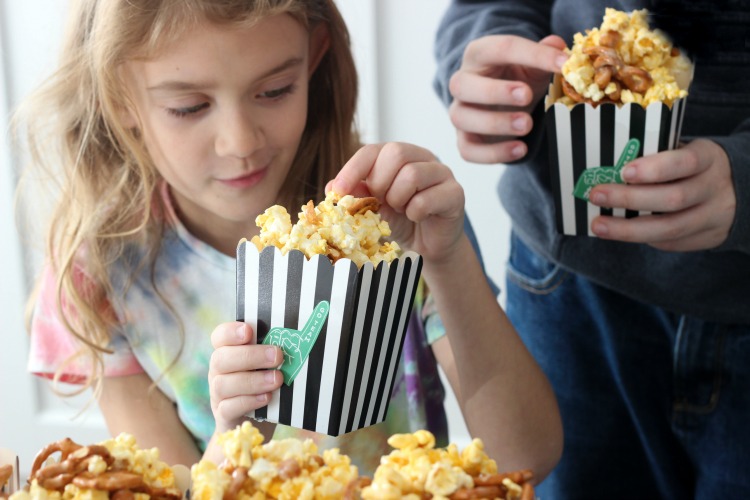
{"x":277,"y":93}
{"x":190,"y":110}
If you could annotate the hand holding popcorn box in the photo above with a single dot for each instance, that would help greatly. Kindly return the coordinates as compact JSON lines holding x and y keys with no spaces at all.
{"x":336,"y":299}
{"x":622,"y":82}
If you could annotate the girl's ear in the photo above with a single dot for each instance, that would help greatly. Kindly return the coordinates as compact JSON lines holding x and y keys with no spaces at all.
{"x":320,"y":42}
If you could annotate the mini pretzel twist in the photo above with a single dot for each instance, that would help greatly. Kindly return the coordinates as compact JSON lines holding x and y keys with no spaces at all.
{"x":610,"y":68}
{"x":5,"y":472}
{"x":362,"y":205}
{"x":64,"y":446}
{"x":109,"y":481}
{"x":493,"y":486}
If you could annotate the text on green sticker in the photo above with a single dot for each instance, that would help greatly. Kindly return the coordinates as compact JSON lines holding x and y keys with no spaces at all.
{"x":297,"y":344}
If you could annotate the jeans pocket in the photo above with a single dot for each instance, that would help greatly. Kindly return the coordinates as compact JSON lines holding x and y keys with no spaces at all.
{"x":531,"y":271}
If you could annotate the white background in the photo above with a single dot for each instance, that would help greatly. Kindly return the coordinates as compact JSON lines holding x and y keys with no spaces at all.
{"x":392,"y":41}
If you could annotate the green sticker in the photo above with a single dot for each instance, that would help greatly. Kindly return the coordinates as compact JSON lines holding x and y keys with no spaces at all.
{"x":606,"y":175}
{"x":295,"y":344}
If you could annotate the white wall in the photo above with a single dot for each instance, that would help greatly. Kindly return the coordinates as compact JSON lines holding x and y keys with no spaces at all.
{"x":393,"y":47}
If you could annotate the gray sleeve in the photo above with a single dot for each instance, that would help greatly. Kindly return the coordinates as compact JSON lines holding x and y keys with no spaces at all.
{"x":737,"y":147}
{"x":467,"y":20}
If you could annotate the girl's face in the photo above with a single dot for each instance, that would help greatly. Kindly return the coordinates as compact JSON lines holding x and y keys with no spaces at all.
{"x":222,"y":112}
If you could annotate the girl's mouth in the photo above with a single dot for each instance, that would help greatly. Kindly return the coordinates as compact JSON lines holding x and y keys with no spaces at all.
{"x":245,"y":181}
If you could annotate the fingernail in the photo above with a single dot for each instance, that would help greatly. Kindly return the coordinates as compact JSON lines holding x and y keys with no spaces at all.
{"x":271,"y":354}
{"x":519,"y":124}
{"x":600,"y":229}
{"x":270,"y":376}
{"x":519,"y":95}
{"x":560,"y":61}
{"x":518,"y":151}
{"x":629,"y":172}
{"x":599,"y":198}
{"x":240,"y":332}
{"x":262,"y":398}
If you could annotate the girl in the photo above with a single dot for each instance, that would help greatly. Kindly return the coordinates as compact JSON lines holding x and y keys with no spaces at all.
{"x":179,"y":122}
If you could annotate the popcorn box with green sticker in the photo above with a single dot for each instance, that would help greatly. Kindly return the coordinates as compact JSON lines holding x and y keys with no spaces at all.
{"x":341,"y":329}
{"x":585,"y":137}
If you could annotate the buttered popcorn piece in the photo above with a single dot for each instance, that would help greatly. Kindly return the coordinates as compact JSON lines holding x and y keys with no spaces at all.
{"x":339,"y":227}
{"x":280,"y":469}
{"x":623,"y":61}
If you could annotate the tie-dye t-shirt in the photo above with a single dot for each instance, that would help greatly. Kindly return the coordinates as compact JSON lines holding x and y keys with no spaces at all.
{"x":199,"y":284}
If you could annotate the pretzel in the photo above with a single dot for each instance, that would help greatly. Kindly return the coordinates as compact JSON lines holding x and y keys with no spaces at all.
{"x":571,"y":92}
{"x":5,"y":472}
{"x":497,"y":486}
{"x":289,"y":468}
{"x":64,"y":446}
{"x":636,"y":79}
{"x":58,"y":475}
{"x":108,"y":481}
{"x":362,"y":205}
{"x":238,"y":480}
{"x":479,"y":492}
{"x":518,"y":477}
{"x":355,"y":486}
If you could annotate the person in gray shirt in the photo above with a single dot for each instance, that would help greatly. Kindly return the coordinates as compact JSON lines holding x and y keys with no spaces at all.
{"x":644,"y":329}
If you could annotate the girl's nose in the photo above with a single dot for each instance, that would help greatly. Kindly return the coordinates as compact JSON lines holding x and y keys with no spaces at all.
{"x":238,"y":135}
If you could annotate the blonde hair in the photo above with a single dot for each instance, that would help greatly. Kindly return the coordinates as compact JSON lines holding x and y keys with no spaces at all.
{"x":108,"y":183}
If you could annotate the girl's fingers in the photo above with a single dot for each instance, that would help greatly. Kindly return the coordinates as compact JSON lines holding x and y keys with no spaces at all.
{"x":412,"y":179}
{"x":230,"y":359}
{"x":235,"y":408}
{"x":249,"y":383}
{"x":378,"y":164}
{"x":232,"y":333}
{"x":444,"y":200}
{"x":356,"y":169}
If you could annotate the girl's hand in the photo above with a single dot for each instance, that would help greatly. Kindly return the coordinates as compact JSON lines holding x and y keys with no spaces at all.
{"x":691,"y":188}
{"x":500,"y":81}
{"x":421,"y":199}
{"x":240,"y":375}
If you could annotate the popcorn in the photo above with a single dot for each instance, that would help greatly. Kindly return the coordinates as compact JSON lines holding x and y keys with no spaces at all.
{"x":280,"y":469}
{"x":624,"y":61}
{"x":339,"y":227}
{"x":416,"y":469}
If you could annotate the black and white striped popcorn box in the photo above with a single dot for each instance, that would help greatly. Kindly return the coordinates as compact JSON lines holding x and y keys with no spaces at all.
{"x":346,"y":381}
{"x":585,"y":137}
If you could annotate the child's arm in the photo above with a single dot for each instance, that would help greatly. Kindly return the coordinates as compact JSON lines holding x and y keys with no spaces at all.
{"x":132,"y":404}
{"x":505,"y":398}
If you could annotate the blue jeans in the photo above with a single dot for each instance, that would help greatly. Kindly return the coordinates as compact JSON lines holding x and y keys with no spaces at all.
{"x":654,"y":405}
